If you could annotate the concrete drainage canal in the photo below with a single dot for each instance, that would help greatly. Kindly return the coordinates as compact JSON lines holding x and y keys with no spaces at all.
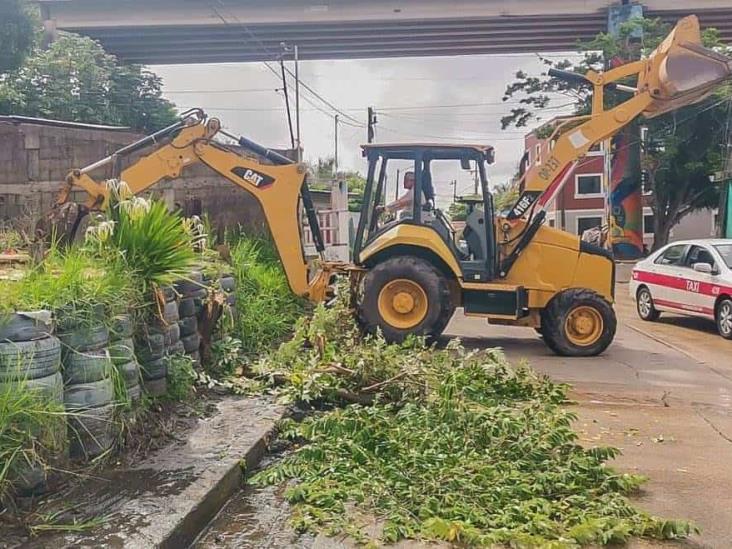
{"x":254,"y":517}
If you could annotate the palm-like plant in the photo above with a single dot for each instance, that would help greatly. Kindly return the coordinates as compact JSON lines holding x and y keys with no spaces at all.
{"x":153,"y":241}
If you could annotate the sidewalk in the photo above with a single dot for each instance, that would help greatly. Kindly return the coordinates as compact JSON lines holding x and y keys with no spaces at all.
{"x":169,"y":497}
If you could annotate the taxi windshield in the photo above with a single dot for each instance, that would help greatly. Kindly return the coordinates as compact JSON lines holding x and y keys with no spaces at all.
{"x":725,"y":250}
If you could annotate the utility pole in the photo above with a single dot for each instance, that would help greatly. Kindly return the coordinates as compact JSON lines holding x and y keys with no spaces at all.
{"x":396,"y":187}
{"x":287,"y":101}
{"x":454,"y":189}
{"x":297,"y":103}
{"x":294,"y":49}
{"x":335,"y":162}
{"x":371,"y":123}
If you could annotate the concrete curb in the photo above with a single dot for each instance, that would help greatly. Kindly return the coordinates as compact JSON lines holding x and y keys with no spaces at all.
{"x":169,"y":498}
{"x":190,"y":525}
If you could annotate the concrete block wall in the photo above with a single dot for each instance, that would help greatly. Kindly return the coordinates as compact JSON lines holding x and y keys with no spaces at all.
{"x":35,"y":158}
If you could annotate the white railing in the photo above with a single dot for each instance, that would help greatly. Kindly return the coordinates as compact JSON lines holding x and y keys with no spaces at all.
{"x":328,"y":221}
{"x":334,"y":228}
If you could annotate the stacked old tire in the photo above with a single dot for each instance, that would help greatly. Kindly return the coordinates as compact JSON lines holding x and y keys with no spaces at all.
{"x":192,"y":295}
{"x":122,"y":353}
{"x":89,"y":389}
{"x":30,"y":357}
{"x":227,"y":283}
{"x":156,"y":339}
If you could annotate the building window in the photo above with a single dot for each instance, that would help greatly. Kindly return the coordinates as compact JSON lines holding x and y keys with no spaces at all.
{"x":551,"y":223}
{"x":537,"y":154}
{"x":588,"y":185}
{"x":596,"y":150}
{"x":648,"y":221}
{"x":586,"y":223}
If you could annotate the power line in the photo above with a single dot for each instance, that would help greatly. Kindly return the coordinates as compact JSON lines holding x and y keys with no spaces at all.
{"x":268,"y":52}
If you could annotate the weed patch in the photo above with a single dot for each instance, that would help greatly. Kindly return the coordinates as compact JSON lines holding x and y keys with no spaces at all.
{"x":181,"y":377}
{"x":266,"y":307}
{"x":455,"y":445}
{"x":32,"y":433}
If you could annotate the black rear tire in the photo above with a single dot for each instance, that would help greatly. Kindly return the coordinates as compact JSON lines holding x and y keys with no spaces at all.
{"x":644,"y":305}
{"x":556,"y":328}
{"x":723,"y":316}
{"x":417,"y":271}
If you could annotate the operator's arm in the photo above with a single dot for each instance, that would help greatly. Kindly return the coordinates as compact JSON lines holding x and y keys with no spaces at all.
{"x":400,"y":203}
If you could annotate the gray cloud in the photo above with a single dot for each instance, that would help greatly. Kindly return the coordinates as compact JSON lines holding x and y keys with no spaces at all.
{"x":396,"y":88}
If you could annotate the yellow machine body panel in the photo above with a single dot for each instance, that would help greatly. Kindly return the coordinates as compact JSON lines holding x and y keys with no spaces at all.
{"x":553,"y":262}
{"x":412,"y":235}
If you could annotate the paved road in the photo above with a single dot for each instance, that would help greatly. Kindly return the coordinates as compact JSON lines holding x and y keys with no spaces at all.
{"x":663,"y":394}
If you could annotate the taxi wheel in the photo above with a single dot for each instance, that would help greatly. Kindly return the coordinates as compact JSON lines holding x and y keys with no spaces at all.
{"x":724,"y":318}
{"x":644,"y":305}
{"x":578,"y":322}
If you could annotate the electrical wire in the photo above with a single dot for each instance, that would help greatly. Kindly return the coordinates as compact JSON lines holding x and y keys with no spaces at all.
{"x":287,"y":70}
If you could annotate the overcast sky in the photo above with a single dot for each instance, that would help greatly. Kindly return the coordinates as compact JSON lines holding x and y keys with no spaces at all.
{"x":417,"y":99}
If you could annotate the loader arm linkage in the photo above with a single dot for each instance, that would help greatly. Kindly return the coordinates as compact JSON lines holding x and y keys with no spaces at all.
{"x":278,"y":187}
{"x":679,"y":72}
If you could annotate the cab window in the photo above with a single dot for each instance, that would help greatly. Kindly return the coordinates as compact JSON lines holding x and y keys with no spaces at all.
{"x":672,"y":256}
{"x":697,"y":254}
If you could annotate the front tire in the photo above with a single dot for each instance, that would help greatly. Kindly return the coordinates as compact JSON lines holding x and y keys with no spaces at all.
{"x":724,"y":318}
{"x":405,"y":296}
{"x":578,"y":322}
{"x":644,"y":305}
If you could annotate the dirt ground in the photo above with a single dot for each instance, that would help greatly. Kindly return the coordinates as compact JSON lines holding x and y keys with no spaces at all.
{"x":663,"y":394}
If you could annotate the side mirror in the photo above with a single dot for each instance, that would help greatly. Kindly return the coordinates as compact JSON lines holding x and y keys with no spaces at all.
{"x":465,"y":163}
{"x":705,"y":268}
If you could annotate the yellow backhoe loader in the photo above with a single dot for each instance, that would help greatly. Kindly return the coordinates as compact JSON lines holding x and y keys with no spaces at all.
{"x":411,"y":273}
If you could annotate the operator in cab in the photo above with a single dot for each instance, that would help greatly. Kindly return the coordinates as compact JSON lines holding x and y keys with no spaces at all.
{"x":402,"y":206}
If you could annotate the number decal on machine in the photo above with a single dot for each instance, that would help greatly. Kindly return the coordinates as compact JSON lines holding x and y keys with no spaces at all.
{"x":545,"y":172}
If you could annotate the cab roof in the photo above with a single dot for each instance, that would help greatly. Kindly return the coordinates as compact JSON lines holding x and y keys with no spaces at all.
{"x":439,"y":150}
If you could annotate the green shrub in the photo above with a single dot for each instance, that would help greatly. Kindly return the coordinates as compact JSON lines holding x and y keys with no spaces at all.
{"x":152,"y":241}
{"x":32,"y":432}
{"x":454,"y":445}
{"x":267,"y":309}
{"x":181,"y":377}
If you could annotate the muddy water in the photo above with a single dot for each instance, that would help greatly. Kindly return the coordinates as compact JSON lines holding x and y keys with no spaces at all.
{"x":255,"y":517}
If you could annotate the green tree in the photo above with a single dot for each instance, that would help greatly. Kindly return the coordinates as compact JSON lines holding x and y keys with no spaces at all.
{"x":505,"y":195}
{"x":683,"y":146}
{"x":76,"y":80}
{"x":321,"y":174}
{"x":457,"y":211}
{"x":17,"y":33}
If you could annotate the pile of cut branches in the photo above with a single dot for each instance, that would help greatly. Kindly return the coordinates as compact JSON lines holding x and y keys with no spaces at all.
{"x":442,"y":444}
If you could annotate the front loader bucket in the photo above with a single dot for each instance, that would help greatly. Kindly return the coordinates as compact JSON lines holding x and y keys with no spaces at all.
{"x":680,"y":71}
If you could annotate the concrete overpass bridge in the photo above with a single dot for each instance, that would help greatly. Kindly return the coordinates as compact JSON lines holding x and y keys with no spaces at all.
{"x":201,"y":31}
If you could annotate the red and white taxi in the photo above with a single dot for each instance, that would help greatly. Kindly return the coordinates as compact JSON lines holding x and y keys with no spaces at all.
{"x":693,"y":277}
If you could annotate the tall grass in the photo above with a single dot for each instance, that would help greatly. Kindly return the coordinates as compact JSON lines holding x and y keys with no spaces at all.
{"x":267,"y":308}
{"x":32,"y":431}
{"x":72,"y":279}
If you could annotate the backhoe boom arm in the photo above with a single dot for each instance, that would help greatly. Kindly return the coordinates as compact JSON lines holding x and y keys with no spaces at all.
{"x":278,"y":187}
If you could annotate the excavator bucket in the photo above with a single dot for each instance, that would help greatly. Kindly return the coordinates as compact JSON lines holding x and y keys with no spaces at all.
{"x":680,"y":71}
